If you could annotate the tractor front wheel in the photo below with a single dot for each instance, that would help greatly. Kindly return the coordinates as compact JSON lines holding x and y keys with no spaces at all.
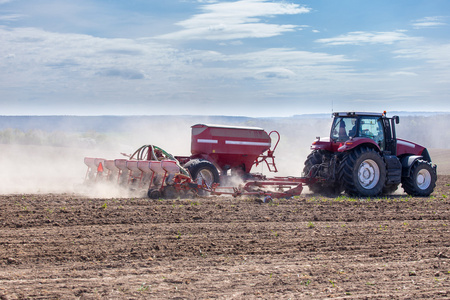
{"x":422,"y":179}
{"x":362,"y":172}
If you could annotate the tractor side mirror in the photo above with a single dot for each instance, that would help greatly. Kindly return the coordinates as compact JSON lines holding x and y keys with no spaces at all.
{"x":397,"y":119}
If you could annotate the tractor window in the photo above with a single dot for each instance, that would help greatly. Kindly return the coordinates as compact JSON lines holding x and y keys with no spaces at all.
{"x":372,"y":128}
{"x":343,"y":128}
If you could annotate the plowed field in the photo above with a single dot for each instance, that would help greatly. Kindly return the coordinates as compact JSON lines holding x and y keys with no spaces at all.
{"x":65,"y":246}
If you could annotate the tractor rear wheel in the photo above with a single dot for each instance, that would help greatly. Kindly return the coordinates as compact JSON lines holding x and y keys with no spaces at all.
{"x":313,"y":164}
{"x":362,"y":172}
{"x":422,"y":179}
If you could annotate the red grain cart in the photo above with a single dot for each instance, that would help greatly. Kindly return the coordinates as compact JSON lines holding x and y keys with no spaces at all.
{"x":228,"y":148}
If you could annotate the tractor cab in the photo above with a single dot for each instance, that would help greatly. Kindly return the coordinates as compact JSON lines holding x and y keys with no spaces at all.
{"x":355,"y":128}
{"x":351,"y":129}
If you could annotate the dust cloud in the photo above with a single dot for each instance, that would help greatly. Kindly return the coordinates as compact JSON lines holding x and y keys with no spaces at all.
{"x":39,"y":169}
{"x":34,"y":161}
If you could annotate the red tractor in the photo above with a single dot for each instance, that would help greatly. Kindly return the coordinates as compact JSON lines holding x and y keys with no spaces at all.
{"x":363,"y":157}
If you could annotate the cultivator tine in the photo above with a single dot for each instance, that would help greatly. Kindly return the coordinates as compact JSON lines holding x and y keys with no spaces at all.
{"x":95,"y":168}
{"x":112,"y":169}
{"x":158,"y":172}
{"x":99,"y":164}
{"x":123,"y":175}
{"x":135,"y":174}
{"x":171,"y":168}
{"x":90,"y":163}
{"x":144,"y":166}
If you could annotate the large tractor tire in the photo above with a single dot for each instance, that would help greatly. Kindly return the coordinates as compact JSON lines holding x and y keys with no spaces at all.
{"x":422,"y":179}
{"x":202,"y":170}
{"x":362,"y":172}
{"x":311,"y":170}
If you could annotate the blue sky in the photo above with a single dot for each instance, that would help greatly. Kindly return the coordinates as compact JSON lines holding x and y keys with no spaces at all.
{"x":248,"y":57}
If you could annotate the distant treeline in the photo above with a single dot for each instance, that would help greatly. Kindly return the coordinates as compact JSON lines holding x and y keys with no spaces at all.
{"x":53,"y":138}
{"x":102,"y":123}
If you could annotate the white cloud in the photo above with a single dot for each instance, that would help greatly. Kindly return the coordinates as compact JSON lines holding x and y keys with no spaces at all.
{"x":364,"y":37}
{"x":82,"y":56}
{"x":275,"y":72}
{"x":287,"y":57}
{"x":272,"y":63}
{"x":237,"y":20}
{"x":429,"y":22}
{"x":41,"y":56}
{"x":10,"y":17}
{"x":438,"y":55}
{"x":46,"y":69}
{"x":123,"y":73}
{"x":403,"y":73}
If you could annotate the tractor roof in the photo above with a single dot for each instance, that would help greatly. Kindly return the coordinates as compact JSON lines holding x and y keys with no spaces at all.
{"x":354,"y":114}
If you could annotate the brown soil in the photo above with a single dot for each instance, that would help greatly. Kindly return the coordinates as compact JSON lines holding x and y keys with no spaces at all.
{"x":67,"y":246}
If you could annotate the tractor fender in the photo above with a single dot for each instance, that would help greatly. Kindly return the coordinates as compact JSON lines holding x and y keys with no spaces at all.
{"x":407,"y":163}
{"x":322,"y":144}
{"x":357,"y":142}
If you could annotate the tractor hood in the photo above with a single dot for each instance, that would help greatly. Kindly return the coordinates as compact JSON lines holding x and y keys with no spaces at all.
{"x":407,"y":147}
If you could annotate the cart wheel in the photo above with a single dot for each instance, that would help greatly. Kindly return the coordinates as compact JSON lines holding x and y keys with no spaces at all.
{"x":203,"y":171}
{"x":153,"y":194}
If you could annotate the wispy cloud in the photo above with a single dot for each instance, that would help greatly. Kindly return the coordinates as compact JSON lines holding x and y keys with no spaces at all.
{"x":275,"y":64}
{"x":122,"y":73}
{"x":429,"y":22}
{"x":403,"y":73}
{"x":288,"y":58}
{"x":364,"y":37}
{"x":438,"y":55}
{"x":10,"y":17}
{"x":237,"y":20}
